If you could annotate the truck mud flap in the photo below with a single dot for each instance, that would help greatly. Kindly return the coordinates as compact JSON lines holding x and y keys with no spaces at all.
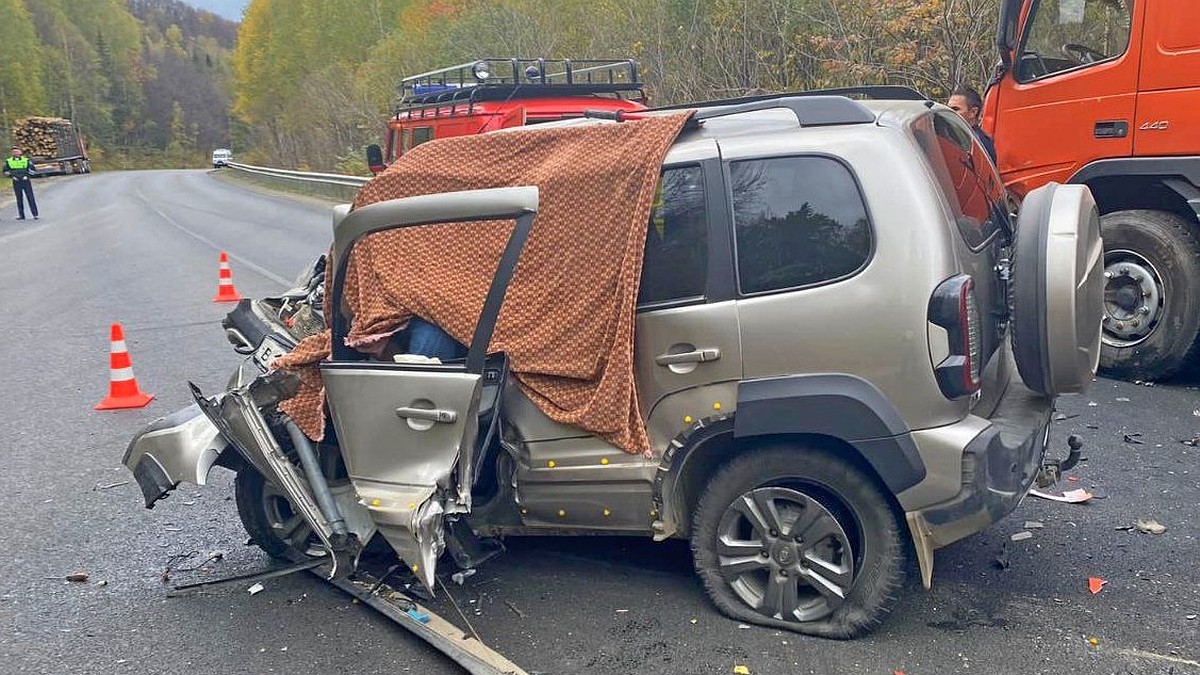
{"x":474,"y":656}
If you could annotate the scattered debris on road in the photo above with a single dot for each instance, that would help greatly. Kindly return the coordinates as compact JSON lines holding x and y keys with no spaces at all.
{"x":255,"y":589}
{"x":1060,"y":417}
{"x":110,"y":486}
{"x":1095,"y":584}
{"x":1150,"y":526}
{"x":1122,"y":399}
{"x":514,"y":609}
{"x":1194,"y":441}
{"x":1022,"y":535}
{"x":1034,"y":525}
{"x":741,"y":670}
{"x":1133,"y":439}
{"x":459,"y":577}
{"x":78,"y":577}
{"x":177,"y":558}
{"x":1069,"y":497}
{"x":1123,"y":528}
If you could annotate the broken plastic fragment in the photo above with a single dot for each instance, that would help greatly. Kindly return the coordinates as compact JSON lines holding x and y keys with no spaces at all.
{"x":1150,"y":526}
{"x":1033,"y":525}
{"x":1094,"y":585}
{"x":256,"y":588}
{"x":1022,"y":535}
{"x":418,"y":616}
{"x":1070,"y":497}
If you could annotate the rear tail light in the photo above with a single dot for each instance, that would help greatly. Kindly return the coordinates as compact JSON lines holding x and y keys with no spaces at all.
{"x":953,"y":307}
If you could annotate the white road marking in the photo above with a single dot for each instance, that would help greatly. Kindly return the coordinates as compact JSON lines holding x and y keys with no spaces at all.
{"x":1151,"y":656}
{"x":286,"y":283}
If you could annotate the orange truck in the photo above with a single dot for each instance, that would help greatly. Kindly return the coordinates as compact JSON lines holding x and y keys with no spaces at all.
{"x":1107,"y":93}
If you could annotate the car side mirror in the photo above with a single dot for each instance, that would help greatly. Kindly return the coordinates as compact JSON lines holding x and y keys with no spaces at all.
{"x":375,"y":158}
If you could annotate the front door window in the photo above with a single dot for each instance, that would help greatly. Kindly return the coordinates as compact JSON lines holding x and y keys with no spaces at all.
{"x":1069,"y":34}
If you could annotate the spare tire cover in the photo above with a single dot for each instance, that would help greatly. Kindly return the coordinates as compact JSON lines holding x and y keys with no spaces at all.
{"x":1057,"y":289}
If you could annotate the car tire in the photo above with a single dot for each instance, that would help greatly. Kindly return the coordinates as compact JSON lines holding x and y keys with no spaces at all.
{"x":1166,"y":247}
{"x":269,"y":519}
{"x":831,"y":516}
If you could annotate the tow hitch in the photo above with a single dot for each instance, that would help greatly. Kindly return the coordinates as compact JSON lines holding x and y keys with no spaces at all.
{"x":1052,"y":470}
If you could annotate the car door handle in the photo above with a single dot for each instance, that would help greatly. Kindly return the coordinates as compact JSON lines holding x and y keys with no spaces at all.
{"x":1111,"y":129}
{"x":434,"y":415}
{"x":698,"y":356}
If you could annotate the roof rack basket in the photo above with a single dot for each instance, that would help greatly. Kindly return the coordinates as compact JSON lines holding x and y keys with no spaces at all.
{"x":494,"y":78}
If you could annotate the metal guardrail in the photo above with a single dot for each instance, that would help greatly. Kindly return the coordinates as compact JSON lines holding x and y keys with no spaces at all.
{"x":330,"y":185}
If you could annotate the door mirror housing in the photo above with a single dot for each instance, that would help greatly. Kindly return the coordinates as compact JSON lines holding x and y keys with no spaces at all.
{"x":375,"y":158}
{"x":1006,"y":32}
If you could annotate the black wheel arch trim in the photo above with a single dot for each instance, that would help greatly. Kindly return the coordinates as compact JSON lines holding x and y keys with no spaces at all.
{"x":836,"y":405}
{"x":1179,"y":174}
{"x":833,"y":404}
{"x":1185,"y":167}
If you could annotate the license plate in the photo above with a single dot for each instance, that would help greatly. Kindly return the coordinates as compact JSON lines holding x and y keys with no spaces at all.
{"x":267,"y":352}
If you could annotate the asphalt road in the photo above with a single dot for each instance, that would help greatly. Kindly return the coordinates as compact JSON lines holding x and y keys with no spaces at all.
{"x":141,"y":248}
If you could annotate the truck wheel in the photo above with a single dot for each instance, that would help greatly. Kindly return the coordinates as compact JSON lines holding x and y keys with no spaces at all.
{"x":799,"y":539}
{"x":1151,"y":294}
{"x":270,"y":520}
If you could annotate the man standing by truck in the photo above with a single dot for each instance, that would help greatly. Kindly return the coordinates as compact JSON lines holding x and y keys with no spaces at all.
{"x":969,"y":105}
{"x":19,"y":168}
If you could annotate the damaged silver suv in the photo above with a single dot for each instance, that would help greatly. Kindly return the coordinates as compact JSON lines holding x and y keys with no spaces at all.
{"x":846,"y":353}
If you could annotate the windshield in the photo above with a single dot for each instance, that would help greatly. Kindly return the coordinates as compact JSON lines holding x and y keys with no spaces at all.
{"x":1068,"y":34}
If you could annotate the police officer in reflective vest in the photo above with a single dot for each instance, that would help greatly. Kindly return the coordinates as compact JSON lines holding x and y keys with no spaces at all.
{"x":19,"y":168}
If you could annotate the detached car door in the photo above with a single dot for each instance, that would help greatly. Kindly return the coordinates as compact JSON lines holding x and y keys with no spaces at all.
{"x":408,"y":431}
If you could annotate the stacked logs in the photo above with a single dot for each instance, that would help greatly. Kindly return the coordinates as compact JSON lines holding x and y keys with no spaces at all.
{"x":39,"y":136}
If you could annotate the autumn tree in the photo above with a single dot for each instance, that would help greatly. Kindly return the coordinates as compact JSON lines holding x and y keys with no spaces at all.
{"x":21,"y":91}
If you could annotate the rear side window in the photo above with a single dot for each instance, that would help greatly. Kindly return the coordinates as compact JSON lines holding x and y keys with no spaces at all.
{"x":676,"y":263}
{"x":798,"y":221}
{"x":964,"y":173}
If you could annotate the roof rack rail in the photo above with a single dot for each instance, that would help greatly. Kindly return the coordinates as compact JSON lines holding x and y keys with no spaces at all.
{"x":810,"y":110}
{"x":877,"y":92}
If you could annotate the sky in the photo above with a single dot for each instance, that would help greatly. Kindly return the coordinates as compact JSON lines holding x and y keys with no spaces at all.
{"x":230,"y":9}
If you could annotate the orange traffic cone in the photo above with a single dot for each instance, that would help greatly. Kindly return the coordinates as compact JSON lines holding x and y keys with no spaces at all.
{"x":225,"y":289}
{"x":123,"y":389}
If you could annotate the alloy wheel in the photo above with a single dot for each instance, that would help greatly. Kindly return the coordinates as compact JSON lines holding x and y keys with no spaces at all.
{"x":784,"y":554}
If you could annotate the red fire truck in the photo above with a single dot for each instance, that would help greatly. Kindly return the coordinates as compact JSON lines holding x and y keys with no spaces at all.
{"x":490,"y":94}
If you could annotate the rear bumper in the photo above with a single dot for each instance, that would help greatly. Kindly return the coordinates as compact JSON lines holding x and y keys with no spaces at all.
{"x":999,"y":465}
